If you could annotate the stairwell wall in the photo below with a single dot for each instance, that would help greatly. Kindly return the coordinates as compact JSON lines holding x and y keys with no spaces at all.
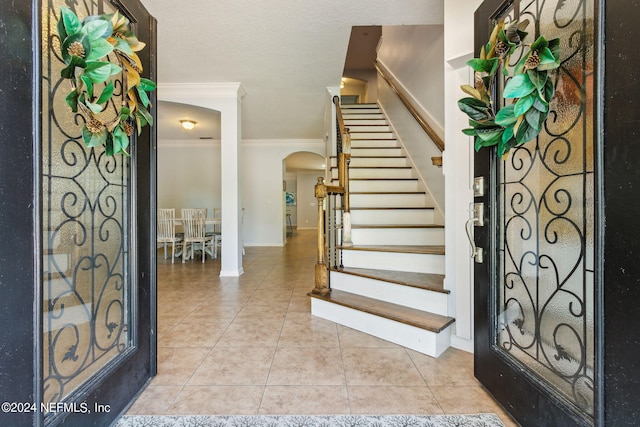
{"x":413,"y":56}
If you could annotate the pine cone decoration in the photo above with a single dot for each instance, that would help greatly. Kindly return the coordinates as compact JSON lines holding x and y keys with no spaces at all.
{"x":501,"y":48}
{"x":94,"y":126}
{"x":76,"y":49}
{"x":533,"y":61}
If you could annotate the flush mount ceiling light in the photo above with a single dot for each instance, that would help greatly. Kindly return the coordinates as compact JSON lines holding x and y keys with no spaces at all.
{"x":188,"y":124}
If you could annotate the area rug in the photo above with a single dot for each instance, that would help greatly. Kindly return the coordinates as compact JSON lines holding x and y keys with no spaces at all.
{"x":475,"y":420}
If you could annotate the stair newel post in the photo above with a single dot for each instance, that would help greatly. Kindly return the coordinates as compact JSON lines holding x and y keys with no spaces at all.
{"x":322,"y":276}
{"x":346,"y":204}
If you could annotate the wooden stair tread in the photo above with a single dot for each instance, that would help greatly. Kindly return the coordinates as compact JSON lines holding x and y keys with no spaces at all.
{"x":408,"y":316}
{"x":431,"y":282}
{"x":408,"y":249}
{"x":362,"y":226}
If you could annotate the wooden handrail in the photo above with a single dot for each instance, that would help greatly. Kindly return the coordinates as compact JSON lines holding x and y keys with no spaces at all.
{"x":439,"y":142}
{"x":341,"y":126}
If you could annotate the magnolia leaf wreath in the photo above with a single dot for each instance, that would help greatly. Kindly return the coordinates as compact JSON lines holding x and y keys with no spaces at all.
{"x":531,"y":88}
{"x":85,"y":46}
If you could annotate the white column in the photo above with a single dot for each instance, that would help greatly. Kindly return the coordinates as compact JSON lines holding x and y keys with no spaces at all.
{"x":230,"y":193}
{"x":227,"y":99}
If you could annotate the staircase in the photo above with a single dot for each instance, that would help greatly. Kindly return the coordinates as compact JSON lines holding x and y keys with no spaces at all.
{"x":391,"y":285}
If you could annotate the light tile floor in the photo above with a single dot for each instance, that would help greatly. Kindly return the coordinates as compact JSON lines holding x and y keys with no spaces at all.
{"x":249,"y":345}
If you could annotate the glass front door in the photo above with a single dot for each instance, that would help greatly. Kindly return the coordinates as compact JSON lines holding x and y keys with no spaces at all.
{"x":540,"y":277}
{"x":92,"y":240}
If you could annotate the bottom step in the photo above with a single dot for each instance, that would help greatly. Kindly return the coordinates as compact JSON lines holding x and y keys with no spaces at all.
{"x":415,"y":329}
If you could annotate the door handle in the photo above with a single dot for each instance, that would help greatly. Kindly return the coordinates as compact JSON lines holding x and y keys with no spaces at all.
{"x":477,"y":219}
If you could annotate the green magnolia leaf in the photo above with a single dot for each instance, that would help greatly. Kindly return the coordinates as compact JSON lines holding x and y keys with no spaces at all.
{"x":94,"y":139}
{"x":541,"y":105}
{"x":505,"y":116}
{"x":470,"y":132}
{"x":549,"y":91}
{"x":475,"y":109}
{"x":483,"y":124}
{"x":538,"y":78}
{"x":484,"y":65}
{"x":94,"y":107}
{"x":108,"y":146}
{"x":524,"y":104}
{"x":71,"y":22}
{"x":144,"y":98}
{"x":99,"y":49}
{"x":97,"y":28}
{"x":124,"y":114}
{"x":539,"y":44}
{"x":123,"y":47}
{"x":535,"y":118}
{"x":145,"y":114}
{"x":72,"y":100}
{"x":69,"y":71}
{"x":519,"y":86}
{"x":106,"y":94}
{"x":98,"y":71}
{"x":547,"y":60}
{"x":147,"y":84}
{"x":120,"y":136}
{"x":115,"y":69}
{"x":89,"y":85}
{"x":489,"y":135}
{"x":525,"y":133}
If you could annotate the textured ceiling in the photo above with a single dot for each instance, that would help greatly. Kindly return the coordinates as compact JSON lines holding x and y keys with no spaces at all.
{"x":284,"y":52}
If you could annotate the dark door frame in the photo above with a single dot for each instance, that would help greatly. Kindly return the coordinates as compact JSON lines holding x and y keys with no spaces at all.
{"x":20,"y":227}
{"x":617,"y":298}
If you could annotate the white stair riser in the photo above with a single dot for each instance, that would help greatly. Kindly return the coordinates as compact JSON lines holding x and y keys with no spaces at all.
{"x":70,"y":315}
{"x":379,"y":152}
{"x":415,"y":200}
{"x":361,"y":110}
{"x":395,"y":216}
{"x":378,"y":161}
{"x":384,"y":185}
{"x":361,"y":121}
{"x":357,"y":162}
{"x":361,"y":134}
{"x":349,"y":115}
{"x":377,"y":173}
{"x":427,"y":342}
{"x":397,"y":236}
{"x":408,"y":296}
{"x":419,"y":263}
{"x":357,"y":143}
{"x":369,"y":128}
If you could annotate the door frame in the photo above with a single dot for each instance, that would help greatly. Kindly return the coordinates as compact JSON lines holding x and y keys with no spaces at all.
{"x":21,"y":224}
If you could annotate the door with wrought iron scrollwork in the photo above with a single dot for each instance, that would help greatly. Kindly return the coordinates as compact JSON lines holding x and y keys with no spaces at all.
{"x":535,"y":289}
{"x":97,"y":241}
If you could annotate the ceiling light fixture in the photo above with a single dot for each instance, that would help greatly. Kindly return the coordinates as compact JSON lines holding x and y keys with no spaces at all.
{"x":188,"y":124}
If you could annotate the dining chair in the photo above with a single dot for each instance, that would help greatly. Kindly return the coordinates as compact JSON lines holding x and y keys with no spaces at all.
{"x":193,"y":221}
{"x":166,"y":231}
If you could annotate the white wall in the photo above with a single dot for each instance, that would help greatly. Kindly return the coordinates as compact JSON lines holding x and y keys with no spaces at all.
{"x":188,"y":174}
{"x":307,"y":203}
{"x":262,"y":195}
{"x":458,"y":168}
{"x":413,"y":56}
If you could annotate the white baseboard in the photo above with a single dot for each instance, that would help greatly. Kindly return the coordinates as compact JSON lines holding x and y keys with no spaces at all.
{"x":462,"y":343}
